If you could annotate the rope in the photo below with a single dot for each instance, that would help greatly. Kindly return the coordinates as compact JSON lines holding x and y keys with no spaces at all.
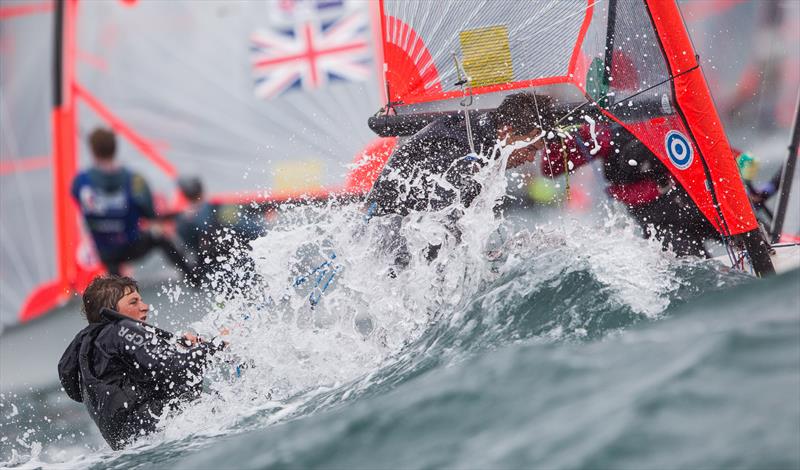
{"x":565,"y":158}
{"x":463,"y":82}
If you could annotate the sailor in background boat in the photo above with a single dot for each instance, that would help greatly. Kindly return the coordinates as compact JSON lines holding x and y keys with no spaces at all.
{"x":637,"y":179}
{"x":113,"y":201}
{"x":125,"y":371}
{"x":434,"y":169}
{"x":217,"y":236}
{"x":758,"y":193}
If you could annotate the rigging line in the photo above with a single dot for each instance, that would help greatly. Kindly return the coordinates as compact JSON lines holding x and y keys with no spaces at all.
{"x":549,"y":163}
{"x":573,"y":111}
{"x":731,"y":255}
{"x":668,"y":79}
{"x":463,"y":82}
{"x":566,"y":167}
{"x":538,"y":113}
{"x":627,"y":98}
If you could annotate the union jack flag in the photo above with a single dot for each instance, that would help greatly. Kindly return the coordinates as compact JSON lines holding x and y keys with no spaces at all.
{"x":310,"y":55}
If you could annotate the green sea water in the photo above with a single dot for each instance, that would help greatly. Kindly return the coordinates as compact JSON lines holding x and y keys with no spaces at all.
{"x":713,"y":382}
{"x":568,"y":345}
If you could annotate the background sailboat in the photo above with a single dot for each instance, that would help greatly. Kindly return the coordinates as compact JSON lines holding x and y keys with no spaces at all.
{"x":192,"y":90}
{"x":262,"y":100}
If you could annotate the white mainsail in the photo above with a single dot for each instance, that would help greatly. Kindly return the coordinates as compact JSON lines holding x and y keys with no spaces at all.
{"x":259,"y":99}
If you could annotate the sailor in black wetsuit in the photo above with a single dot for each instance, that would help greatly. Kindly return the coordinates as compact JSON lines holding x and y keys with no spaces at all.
{"x":436,"y":167}
{"x":124,"y":371}
{"x":218,"y":236}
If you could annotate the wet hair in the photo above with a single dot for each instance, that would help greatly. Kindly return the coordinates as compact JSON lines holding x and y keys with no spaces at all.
{"x":103,"y":143}
{"x":523,"y":112}
{"x":191,"y":187}
{"x":104,"y":292}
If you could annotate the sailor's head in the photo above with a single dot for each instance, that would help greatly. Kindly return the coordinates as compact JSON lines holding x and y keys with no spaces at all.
{"x":103,"y":143}
{"x":115,"y":293}
{"x":191,"y":187}
{"x":524,"y":118}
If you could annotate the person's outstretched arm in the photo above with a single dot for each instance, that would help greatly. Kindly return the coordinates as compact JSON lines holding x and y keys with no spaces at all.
{"x":159,"y":360}
{"x":576,"y":149}
{"x":142,"y":196}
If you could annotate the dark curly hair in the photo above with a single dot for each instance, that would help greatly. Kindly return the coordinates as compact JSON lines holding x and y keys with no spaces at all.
{"x":105,"y":292}
{"x":523,"y":112}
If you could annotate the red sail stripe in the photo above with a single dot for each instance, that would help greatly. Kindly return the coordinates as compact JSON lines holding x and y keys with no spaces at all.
{"x":22,"y":10}
{"x":24,"y":164}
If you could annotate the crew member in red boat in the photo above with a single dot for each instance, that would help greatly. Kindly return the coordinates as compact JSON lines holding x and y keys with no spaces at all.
{"x":637,"y":179}
{"x":436,"y":167}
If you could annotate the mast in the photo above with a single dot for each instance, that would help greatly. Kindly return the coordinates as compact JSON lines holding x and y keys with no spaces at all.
{"x":786,"y":178}
{"x":606,"y":101}
{"x":58,"y":53}
{"x":64,"y":129}
{"x":718,"y":173}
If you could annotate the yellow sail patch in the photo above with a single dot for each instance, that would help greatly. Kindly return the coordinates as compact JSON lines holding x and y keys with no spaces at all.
{"x":486,"y":55}
{"x":298,"y":175}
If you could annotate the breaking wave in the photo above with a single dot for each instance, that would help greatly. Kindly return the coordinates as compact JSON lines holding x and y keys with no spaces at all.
{"x":326,"y":329}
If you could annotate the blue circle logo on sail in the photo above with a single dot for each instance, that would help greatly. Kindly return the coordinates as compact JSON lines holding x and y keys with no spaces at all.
{"x":679,"y":150}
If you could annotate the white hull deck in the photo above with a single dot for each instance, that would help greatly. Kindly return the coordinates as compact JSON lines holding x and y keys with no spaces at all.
{"x":785,"y":257}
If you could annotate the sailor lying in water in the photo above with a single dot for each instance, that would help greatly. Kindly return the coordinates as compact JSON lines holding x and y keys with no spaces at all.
{"x":125,"y":371}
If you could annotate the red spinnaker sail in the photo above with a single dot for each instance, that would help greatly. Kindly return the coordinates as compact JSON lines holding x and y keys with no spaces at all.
{"x":701,"y":117}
